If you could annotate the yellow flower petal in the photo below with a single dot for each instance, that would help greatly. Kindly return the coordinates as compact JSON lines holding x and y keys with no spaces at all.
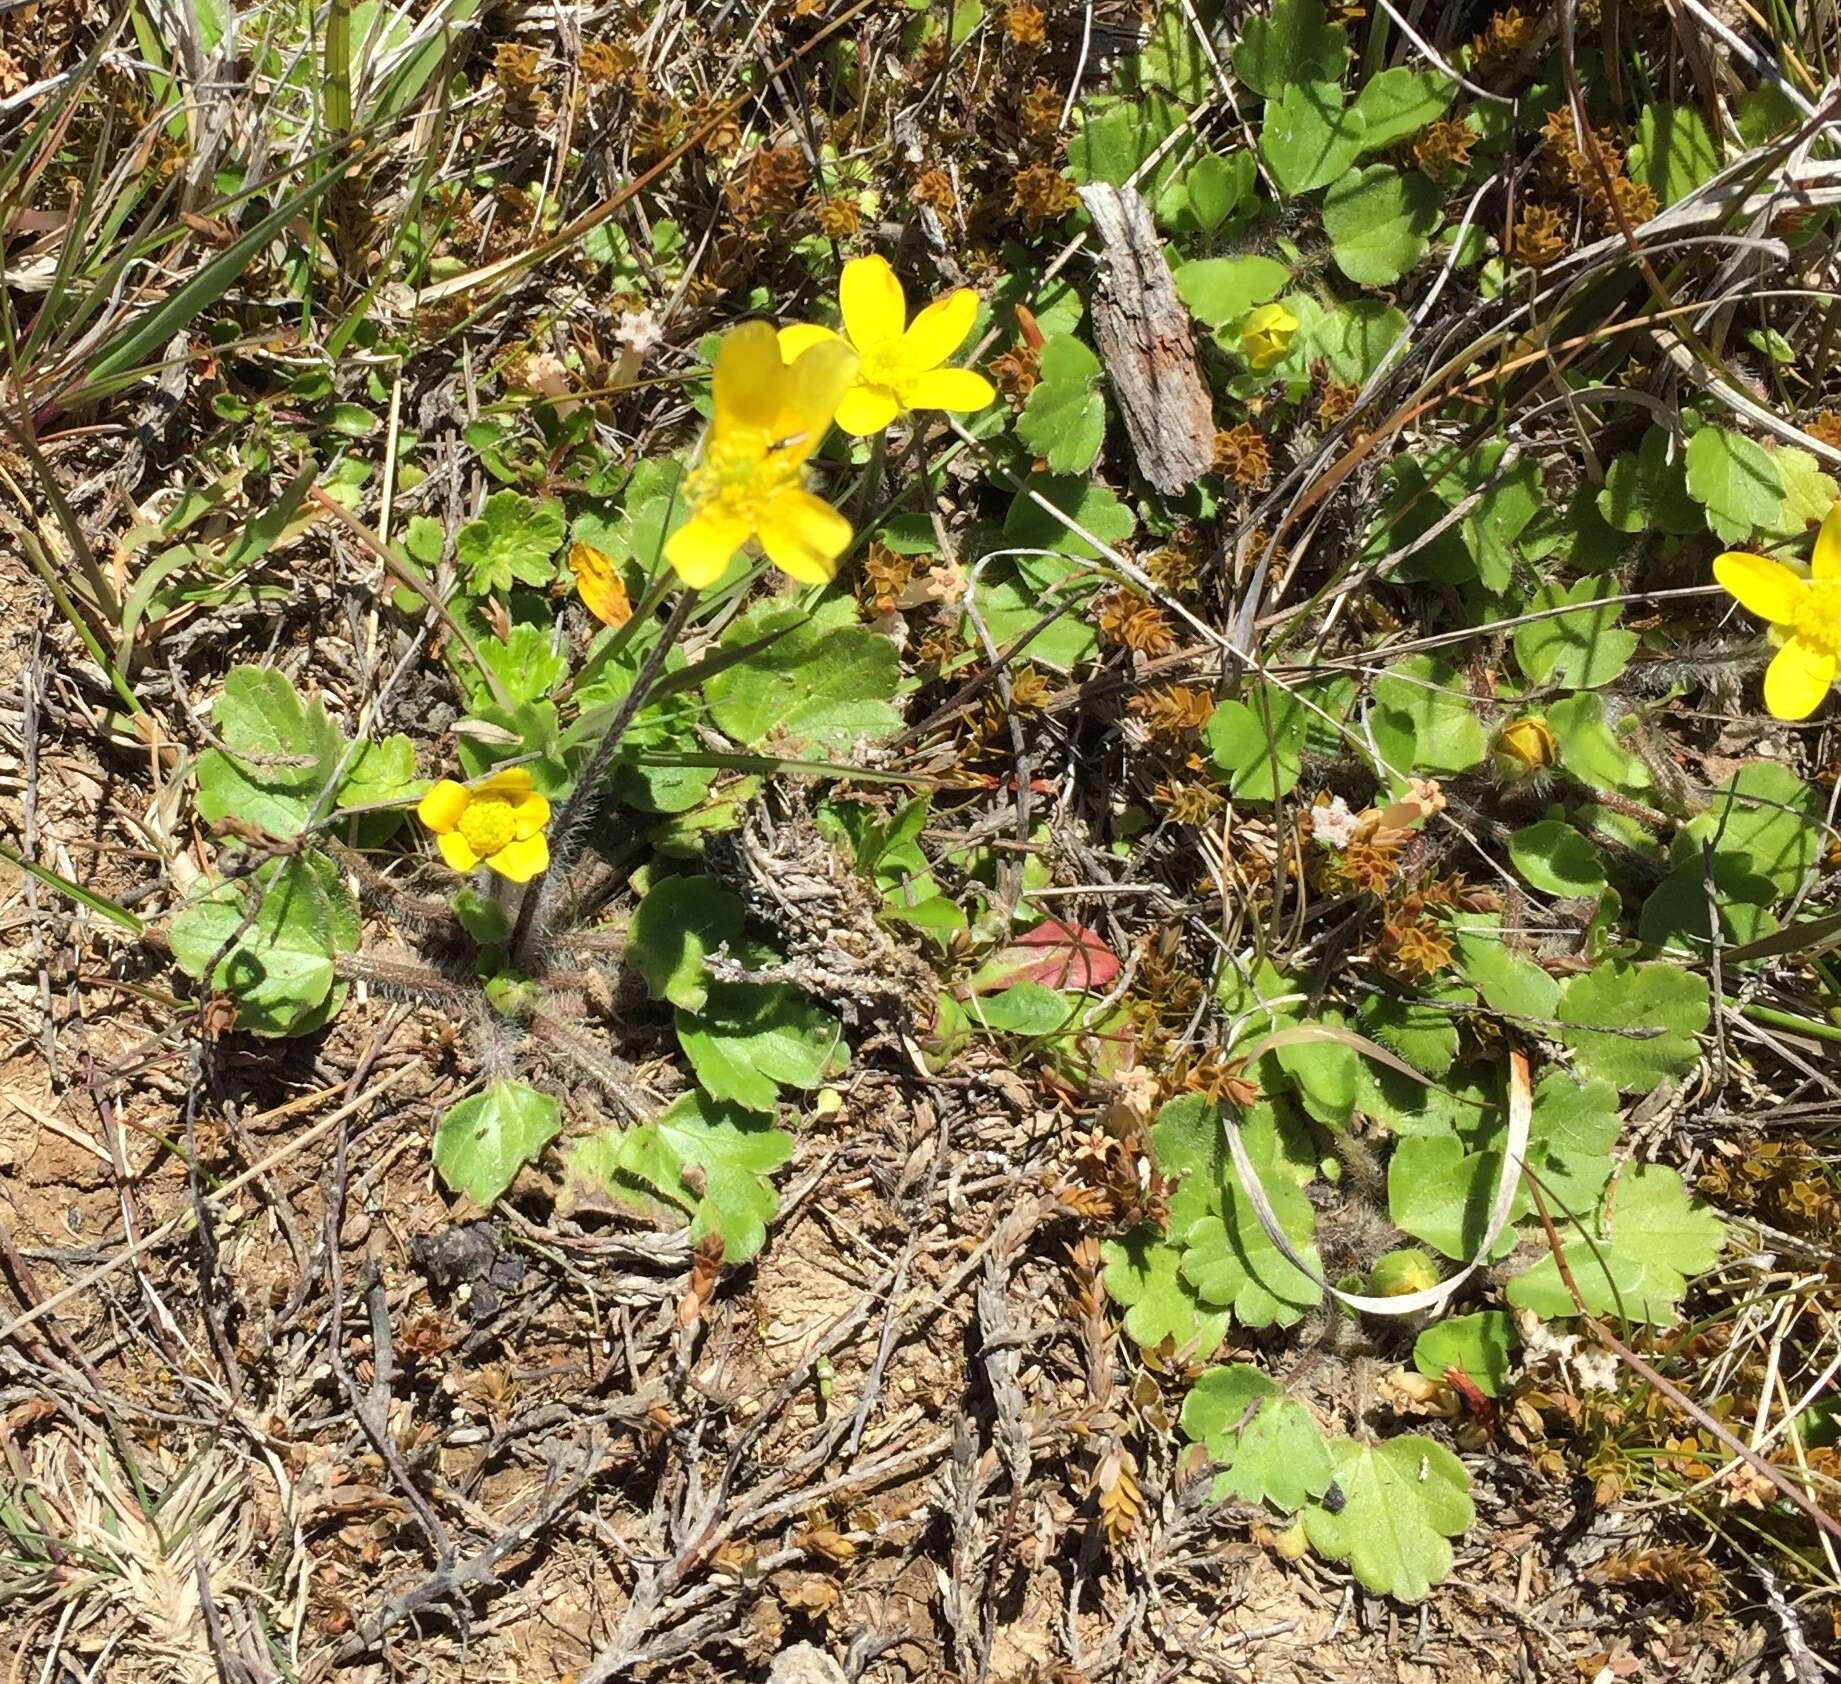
{"x":529,"y":816}
{"x":810,"y":392}
{"x":1797,"y":679}
{"x":1826,"y":562}
{"x":1271,"y":318}
{"x":865,"y":410}
{"x":514,"y":783}
{"x":441,"y":807}
{"x":747,"y":386}
{"x":522,"y":860}
{"x":803,"y":537}
{"x":456,"y":851}
{"x":598,"y":583}
{"x":870,"y":297}
{"x":948,"y":388}
{"x":799,"y":337}
{"x":701,"y":549}
{"x":938,"y":330}
{"x":1768,"y":588}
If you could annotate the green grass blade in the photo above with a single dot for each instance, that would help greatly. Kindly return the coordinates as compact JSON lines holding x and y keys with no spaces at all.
{"x":338,"y":60}
{"x":123,"y":362}
{"x":101,"y":905}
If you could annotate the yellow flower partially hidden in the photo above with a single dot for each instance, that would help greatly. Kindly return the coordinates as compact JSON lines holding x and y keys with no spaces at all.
{"x":498,"y":823}
{"x":900,"y":363}
{"x":598,"y":582}
{"x":749,"y":477}
{"x":1265,"y":336}
{"x":1805,"y":615}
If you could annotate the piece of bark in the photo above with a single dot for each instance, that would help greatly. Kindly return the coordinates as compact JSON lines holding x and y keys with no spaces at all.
{"x":1147,"y":344}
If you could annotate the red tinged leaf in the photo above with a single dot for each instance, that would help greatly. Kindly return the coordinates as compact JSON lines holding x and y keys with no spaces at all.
{"x":1479,"y":1406}
{"x":1057,"y":955}
{"x":1031,"y":331}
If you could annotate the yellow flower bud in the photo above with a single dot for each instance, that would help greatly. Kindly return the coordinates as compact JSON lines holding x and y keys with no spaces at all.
{"x":1524,"y":747}
{"x":1401,"y":1272}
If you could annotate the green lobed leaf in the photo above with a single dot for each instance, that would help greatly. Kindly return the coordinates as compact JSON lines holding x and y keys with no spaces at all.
{"x":1308,"y":138}
{"x":1765,"y":817}
{"x":1674,"y":151}
{"x":1398,"y":103}
{"x":1678,"y":918}
{"x":1353,"y":338}
{"x":1736,"y":481}
{"x":1418,"y":1030}
{"x":1258,"y":744}
{"x":277,"y":757}
{"x":1430,"y":699}
{"x":280,"y":968}
{"x":1228,"y":1256}
{"x":1294,"y":43}
{"x":1143,"y":1274}
{"x":1401,"y":1501}
{"x":1439,"y":1193}
{"x":1479,"y":1344}
{"x":681,"y":921}
{"x":1634,"y":1026}
{"x":1379,"y":222}
{"x":1557,"y":860}
{"x":1510,"y":982}
{"x":815,"y":686}
{"x":1028,"y":525}
{"x":749,"y":1041}
{"x":1113,"y":144}
{"x":1220,"y":290}
{"x":1590,"y":750}
{"x":1269,"y":1445}
{"x":1580,"y":651}
{"x":513,"y":539}
{"x":1571,"y":1135}
{"x":1647,"y":490}
{"x":1013,"y":595}
{"x":1649,"y":1240}
{"x":482,"y":1143}
{"x":702,"y":1157}
{"x":1216,"y":187}
{"x":1064,"y":420}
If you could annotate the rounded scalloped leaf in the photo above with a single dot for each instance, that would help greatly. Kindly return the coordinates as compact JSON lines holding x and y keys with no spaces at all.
{"x":1479,"y":1344}
{"x":1651,"y":1239}
{"x":1296,"y":43}
{"x":1401,"y":1501}
{"x":482,"y":1143}
{"x":1634,"y":1026}
{"x":1269,"y":1445}
{"x":1142,"y":1273}
{"x":680,"y":922}
{"x":1555,"y":859}
{"x":1380,"y":222}
{"x":1308,"y":137}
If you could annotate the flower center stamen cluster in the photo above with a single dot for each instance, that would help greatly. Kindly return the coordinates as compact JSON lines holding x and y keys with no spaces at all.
{"x":741,"y":473}
{"x":487,"y":825}
{"x":1818,"y":617}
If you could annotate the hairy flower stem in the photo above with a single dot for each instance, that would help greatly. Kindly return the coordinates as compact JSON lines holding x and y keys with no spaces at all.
{"x":572,"y":823}
{"x":873,"y":473}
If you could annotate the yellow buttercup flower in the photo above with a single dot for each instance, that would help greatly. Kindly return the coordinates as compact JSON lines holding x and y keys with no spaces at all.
{"x":749,"y":477}
{"x":1805,"y":617}
{"x":498,"y":822}
{"x":900,"y":362}
{"x":1265,"y":336}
